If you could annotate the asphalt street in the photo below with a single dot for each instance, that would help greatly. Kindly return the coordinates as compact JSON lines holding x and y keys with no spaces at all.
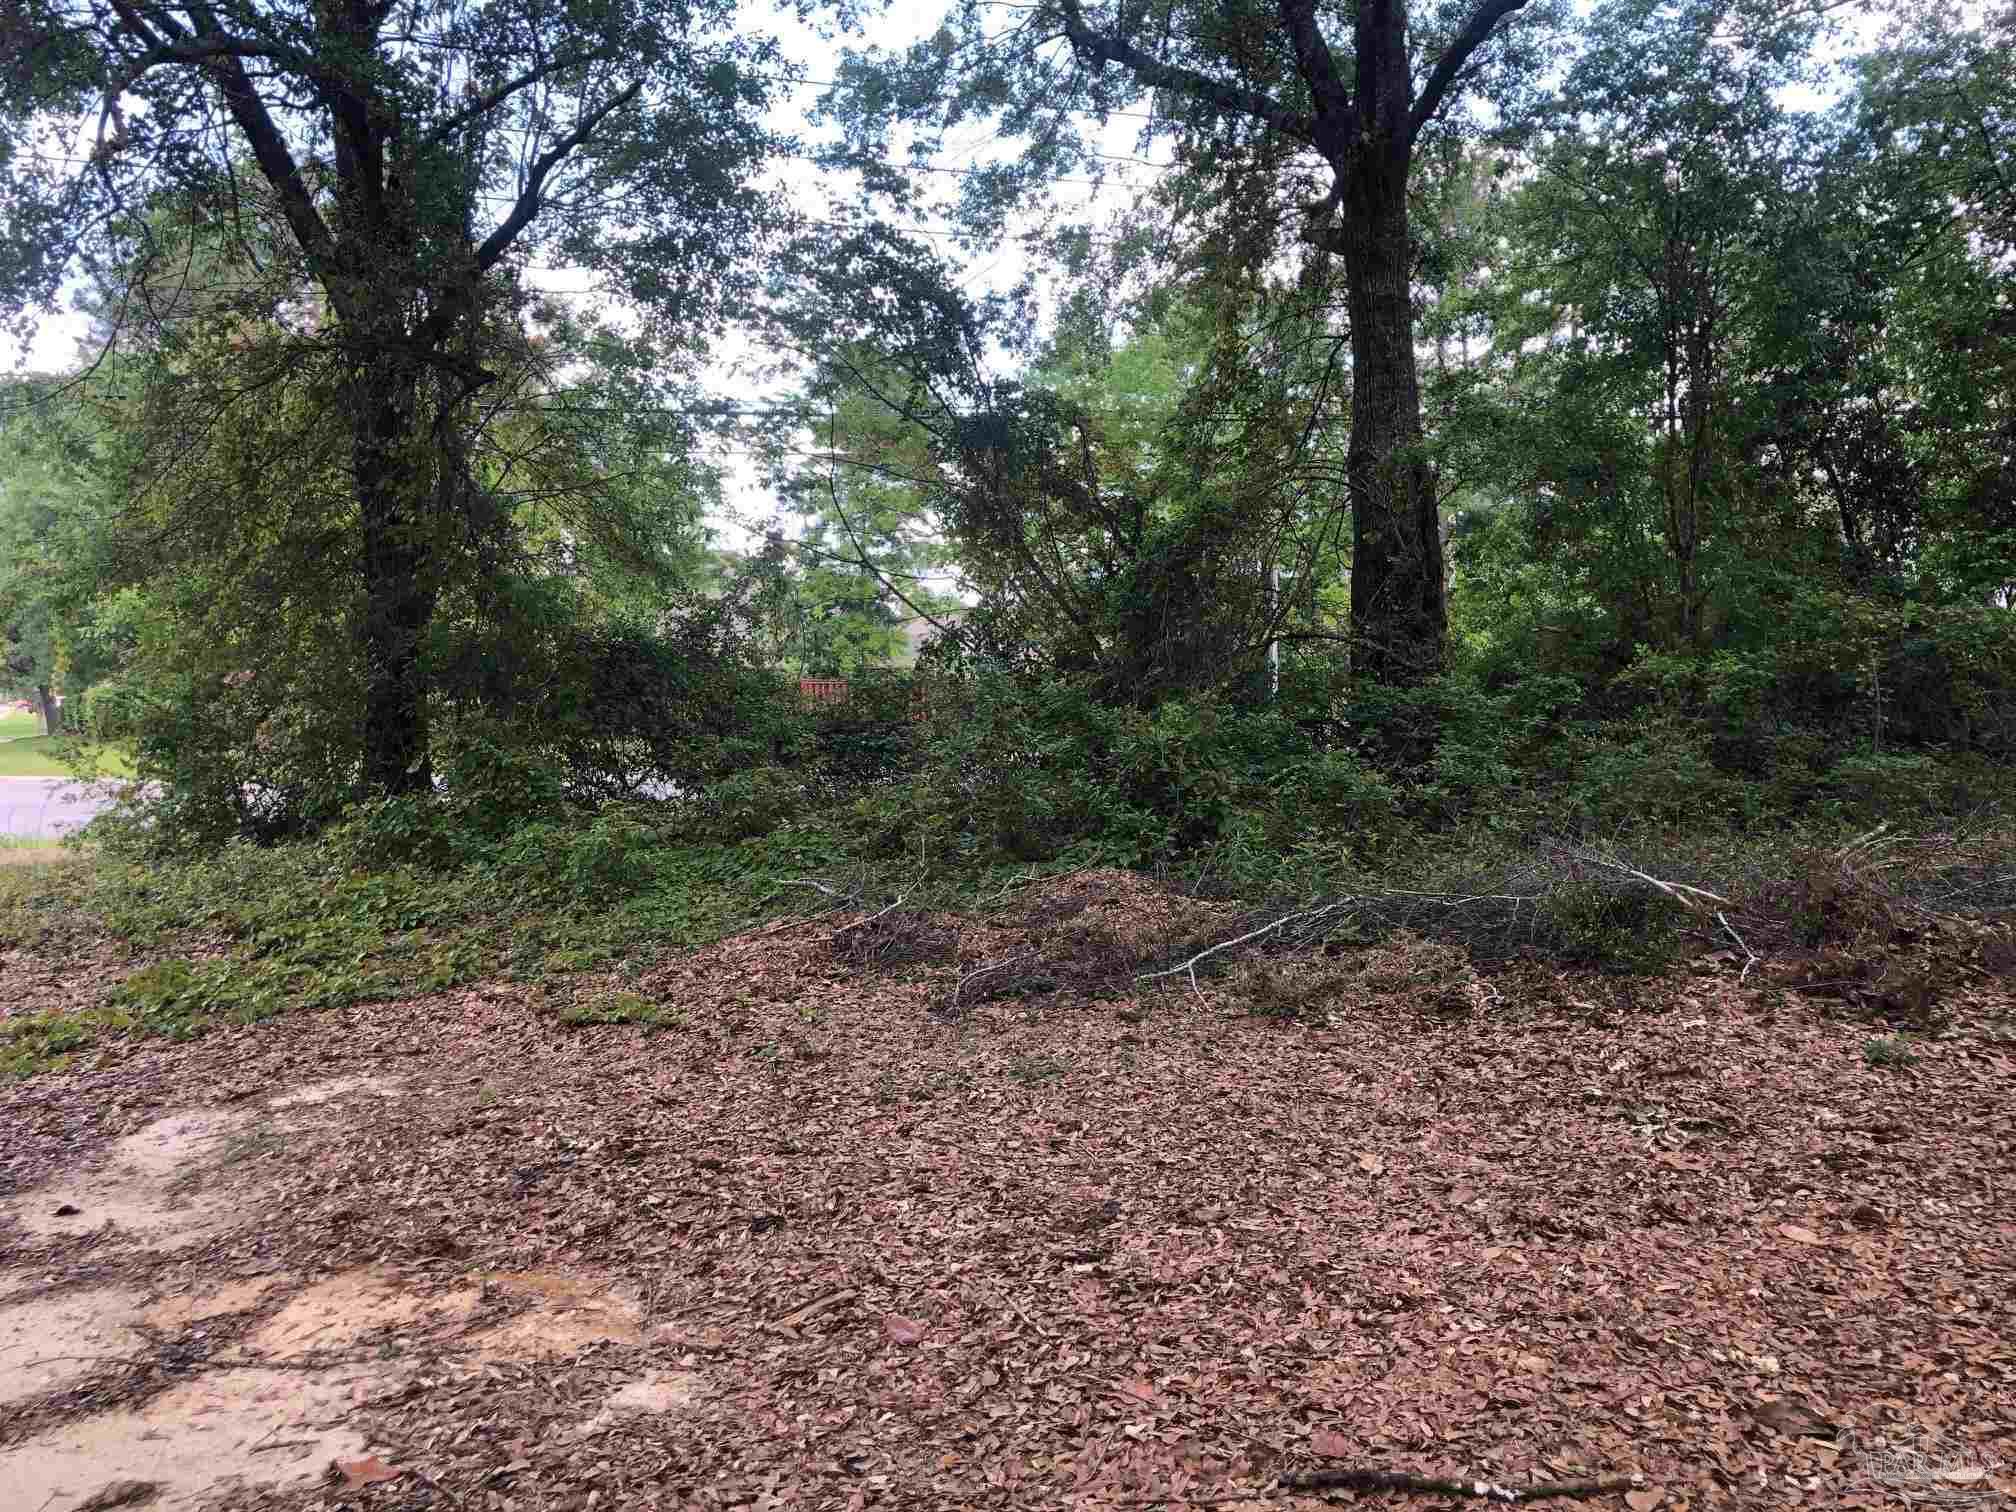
{"x":50,"y":806}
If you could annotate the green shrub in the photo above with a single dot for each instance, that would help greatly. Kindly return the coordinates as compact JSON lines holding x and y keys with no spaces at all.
{"x":873,"y":735}
{"x":743,"y":805}
{"x":621,"y":1008}
{"x":1872,"y":785}
{"x":109,"y":711}
{"x":1655,"y":771}
{"x":1591,"y":924}
{"x":585,"y":861}
{"x":1894,"y":1054}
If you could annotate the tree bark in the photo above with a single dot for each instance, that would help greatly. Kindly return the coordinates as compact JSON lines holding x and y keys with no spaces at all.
{"x":52,"y":712}
{"x":1399,"y":610}
{"x":399,"y":599}
{"x":1365,"y":128}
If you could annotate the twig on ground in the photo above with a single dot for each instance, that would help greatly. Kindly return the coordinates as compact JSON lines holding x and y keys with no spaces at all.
{"x":1189,"y":968}
{"x":812,"y":1309}
{"x":1724,"y":918}
{"x":1681,"y":892}
{"x":982,"y":971}
{"x":1875,"y":837}
{"x":1024,"y":881}
{"x":1393,"y":1480}
{"x":816,"y":886}
{"x":863,"y":923}
{"x":1041,"y":1331}
{"x":1458,"y":900}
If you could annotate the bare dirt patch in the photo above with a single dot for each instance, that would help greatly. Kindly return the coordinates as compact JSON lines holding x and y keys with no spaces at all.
{"x":318,"y":1093}
{"x":827,"y":1245}
{"x":339,"y":1313}
{"x":568,"y":1314}
{"x":250,"y":1385}
{"x":178,"y":1312}
{"x":48,"y":1342}
{"x":150,"y":1188}
{"x":265,"y":1427}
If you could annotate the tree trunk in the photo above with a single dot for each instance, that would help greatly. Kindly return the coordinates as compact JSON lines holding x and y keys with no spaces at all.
{"x":1399,"y":611}
{"x":52,"y":712}
{"x":392,"y":491}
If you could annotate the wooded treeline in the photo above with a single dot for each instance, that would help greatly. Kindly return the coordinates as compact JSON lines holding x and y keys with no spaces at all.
{"x":1481,"y":399}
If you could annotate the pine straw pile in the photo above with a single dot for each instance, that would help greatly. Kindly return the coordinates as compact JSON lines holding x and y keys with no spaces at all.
{"x":1077,"y":939}
{"x":1843,"y":925}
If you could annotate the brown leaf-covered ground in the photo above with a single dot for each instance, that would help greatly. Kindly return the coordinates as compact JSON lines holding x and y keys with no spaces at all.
{"x":878,"y":1227}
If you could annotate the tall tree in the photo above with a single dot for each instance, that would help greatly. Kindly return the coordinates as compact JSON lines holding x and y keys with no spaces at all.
{"x":1931,"y":164}
{"x":1645,"y":280}
{"x":1338,"y":95}
{"x":53,"y":508}
{"x":419,"y":154}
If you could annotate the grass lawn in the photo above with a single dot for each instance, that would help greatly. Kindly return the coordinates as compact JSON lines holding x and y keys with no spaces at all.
{"x":39,"y":756}
{"x":13,"y":725}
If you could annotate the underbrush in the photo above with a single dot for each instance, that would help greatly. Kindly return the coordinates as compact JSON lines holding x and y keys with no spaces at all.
{"x":252,"y":931}
{"x":1498,"y":825}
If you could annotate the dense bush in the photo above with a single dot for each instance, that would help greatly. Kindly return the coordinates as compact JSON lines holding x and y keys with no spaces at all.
{"x":1031,"y":770}
{"x":874,"y":735}
{"x":108,"y":711}
{"x":670,"y":708}
{"x":539,"y":711}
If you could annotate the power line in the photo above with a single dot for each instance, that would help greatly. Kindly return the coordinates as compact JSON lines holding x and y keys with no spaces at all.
{"x":1115,"y":115}
{"x":798,"y":157}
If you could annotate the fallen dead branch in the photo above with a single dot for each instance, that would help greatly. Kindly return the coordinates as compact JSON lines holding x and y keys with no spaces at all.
{"x":821,"y":887}
{"x":864,"y":923}
{"x":1189,"y":968}
{"x":1025,"y":881}
{"x":812,"y":1309}
{"x":1393,"y":1480}
{"x":1723,"y":919}
{"x":1682,"y":893}
{"x":992,"y":966}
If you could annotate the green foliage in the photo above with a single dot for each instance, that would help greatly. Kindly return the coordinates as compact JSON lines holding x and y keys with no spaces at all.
{"x":346,"y":429}
{"x":745,"y":805}
{"x":1591,"y":924}
{"x":677,"y":705}
{"x":875,"y":735}
{"x":307,"y":924}
{"x":1889,"y":1054}
{"x":1031,"y":770}
{"x":110,"y":711}
{"x":621,"y":1008}
{"x":607,"y":858}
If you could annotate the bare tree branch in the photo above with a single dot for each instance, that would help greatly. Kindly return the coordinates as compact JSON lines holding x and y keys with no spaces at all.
{"x":529,"y":203}
{"x":1483,"y":21}
{"x":1152,"y":71}
{"x":483,"y":104}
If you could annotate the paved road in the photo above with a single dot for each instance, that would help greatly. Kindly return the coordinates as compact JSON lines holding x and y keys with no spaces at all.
{"x":44,"y":805}
{"x":54,"y":806}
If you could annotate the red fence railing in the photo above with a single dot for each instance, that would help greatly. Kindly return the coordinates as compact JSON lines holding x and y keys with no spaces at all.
{"x":823,"y":690}
{"x":833,"y":690}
